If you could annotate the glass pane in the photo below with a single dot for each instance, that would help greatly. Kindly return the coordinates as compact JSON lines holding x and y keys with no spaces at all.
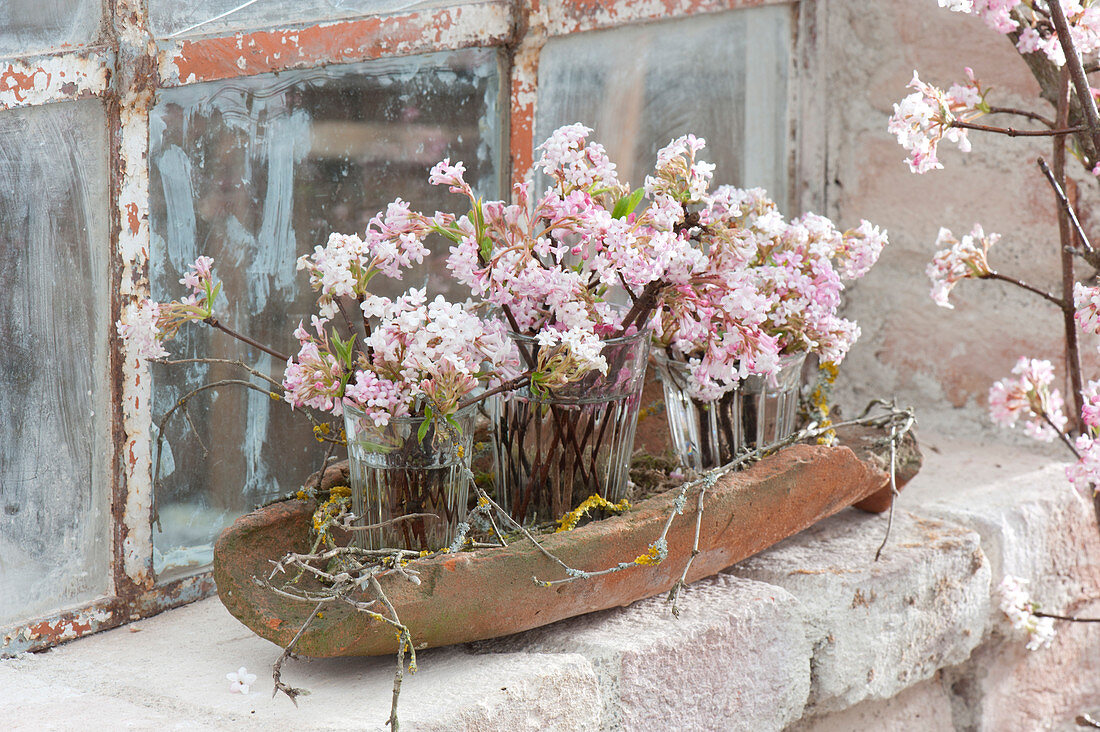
{"x":33,"y":26}
{"x":724,"y":78}
{"x":55,"y":540}
{"x":255,"y":172}
{"x":203,"y":17}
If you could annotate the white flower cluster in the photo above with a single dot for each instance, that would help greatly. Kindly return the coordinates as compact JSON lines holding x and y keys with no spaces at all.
{"x":1018,"y":606}
{"x":959,"y":260}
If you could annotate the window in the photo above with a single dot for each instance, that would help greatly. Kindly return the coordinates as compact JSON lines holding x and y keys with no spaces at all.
{"x":248,"y":131}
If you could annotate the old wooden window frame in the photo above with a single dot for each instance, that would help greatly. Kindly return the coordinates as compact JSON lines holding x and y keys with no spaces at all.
{"x":126,"y":66}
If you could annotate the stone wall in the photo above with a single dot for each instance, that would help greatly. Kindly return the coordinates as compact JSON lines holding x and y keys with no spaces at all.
{"x":940,"y":360}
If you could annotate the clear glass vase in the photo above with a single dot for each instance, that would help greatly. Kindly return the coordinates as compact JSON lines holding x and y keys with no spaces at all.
{"x":394,"y":473}
{"x":552,"y":452}
{"x":706,"y":434}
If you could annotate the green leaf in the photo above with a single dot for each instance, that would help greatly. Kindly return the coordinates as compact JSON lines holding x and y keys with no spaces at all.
{"x":423,"y":431}
{"x":343,"y":348}
{"x":626,"y":205}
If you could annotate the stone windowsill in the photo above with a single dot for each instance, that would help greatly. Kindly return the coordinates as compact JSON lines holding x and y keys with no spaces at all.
{"x":811,"y":633}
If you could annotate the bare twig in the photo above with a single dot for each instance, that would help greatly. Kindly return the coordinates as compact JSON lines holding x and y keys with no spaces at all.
{"x":1070,"y":618}
{"x":215,"y":323}
{"x":1076,"y":72}
{"x":674,"y":594}
{"x":893,"y":481}
{"x":277,"y":669}
{"x":1066,"y":206}
{"x":1030,"y":288}
{"x":404,"y":641}
{"x":392,"y":521}
{"x":1023,"y":113}
{"x":226,"y":361}
{"x":509,"y":385}
{"x":1012,"y":132}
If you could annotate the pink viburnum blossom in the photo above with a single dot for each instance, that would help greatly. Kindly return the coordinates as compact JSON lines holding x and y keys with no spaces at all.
{"x":240,"y":681}
{"x":1086,"y":302}
{"x":418,"y":351}
{"x":148,"y":324}
{"x":138,"y":328}
{"x":1030,"y":397}
{"x":962,"y":259}
{"x":574,"y":163}
{"x":766,"y":286}
{"x":1020,"y":610}
{"x":1037,"y":33}
{"x":679,"y":175}
{"x":925,"y":117}
{"x":394,"y":241}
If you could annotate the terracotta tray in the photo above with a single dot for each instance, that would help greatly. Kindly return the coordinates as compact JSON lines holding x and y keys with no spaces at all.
{"x":489,"y":593}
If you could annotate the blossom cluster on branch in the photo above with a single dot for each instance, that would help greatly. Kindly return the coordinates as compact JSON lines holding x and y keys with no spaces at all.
{"x":1031,"y":22}
{"x":1064,"y":32}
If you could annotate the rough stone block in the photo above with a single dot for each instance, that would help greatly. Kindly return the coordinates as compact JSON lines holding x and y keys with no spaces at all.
{"x":1033,"y":526}
{"x":737,"y":658}
{"x":879,"y":627}
{"x":923,"y":707}
{"x":174,"y":669}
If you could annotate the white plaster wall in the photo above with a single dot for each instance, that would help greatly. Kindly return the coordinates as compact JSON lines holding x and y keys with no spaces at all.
{"x":939,"y":360}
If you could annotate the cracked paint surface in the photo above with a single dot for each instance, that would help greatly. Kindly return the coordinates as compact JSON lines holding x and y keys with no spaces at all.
{"x":36,"y":81}
{"x":244,"y":54}
{"x":573,"y":16}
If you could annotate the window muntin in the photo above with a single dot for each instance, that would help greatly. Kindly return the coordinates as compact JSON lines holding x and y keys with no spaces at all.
{"x":201,"y":17}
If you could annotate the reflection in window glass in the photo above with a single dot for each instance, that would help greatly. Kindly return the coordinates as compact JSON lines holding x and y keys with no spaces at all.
{"x":254,"y":173}
{"x":201,"y":17}
{"x":54,"y":430}
{"x":723,"y":77}
{"x":33,"y":26}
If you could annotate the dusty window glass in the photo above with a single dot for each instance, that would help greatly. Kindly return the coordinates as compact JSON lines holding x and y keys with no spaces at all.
{"x":168,"y":17}
{"x":33,"y":26}
{"x":55,"y":541}
{"x":723,"y":77}
{"x":254,"y":173}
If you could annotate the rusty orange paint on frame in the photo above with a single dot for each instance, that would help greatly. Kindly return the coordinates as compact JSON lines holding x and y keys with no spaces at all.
{"x":245,"y":54}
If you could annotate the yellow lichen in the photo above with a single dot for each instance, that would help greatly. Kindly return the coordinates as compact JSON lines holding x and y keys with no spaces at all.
{"x":569,"y":521}
{"x":819,"y":401}
{"x":653,"y":556}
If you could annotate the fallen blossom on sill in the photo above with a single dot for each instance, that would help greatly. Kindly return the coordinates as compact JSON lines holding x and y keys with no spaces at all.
{"x":240,"y":681}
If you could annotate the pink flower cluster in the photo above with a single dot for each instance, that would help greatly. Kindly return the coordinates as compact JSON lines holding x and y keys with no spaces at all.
{"x":345,"y":266}
{"x":959,"y":260}
{"x":1086,"y":303}
{"x":1085,"y":473}
{"x":732,"y":284}
{"x":764,"y":287}
{"x":418,"y":353}
{"x":925,"y":117}
{"x":1029,"y":396}
{"x":317,"y":375}
{"x":1020,"y":610}
{"x":1031,"y":20}
{"x":138,"y":327}
{"x":724,"y":280}
{"x":148,"y":324}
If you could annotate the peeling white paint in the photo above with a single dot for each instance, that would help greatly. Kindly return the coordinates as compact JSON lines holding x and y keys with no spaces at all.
{"x":36,"y":81}
{"x":133,"y":255}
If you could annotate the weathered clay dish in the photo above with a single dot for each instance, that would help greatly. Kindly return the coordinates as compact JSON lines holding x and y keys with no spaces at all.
{"x":490,"y":592}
